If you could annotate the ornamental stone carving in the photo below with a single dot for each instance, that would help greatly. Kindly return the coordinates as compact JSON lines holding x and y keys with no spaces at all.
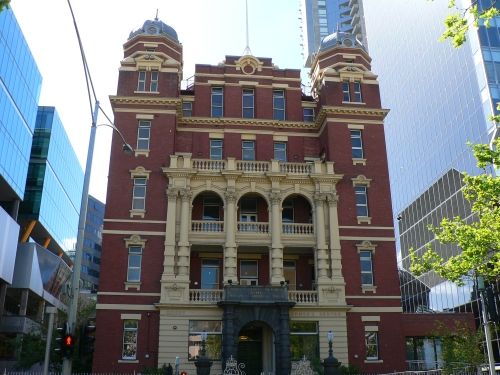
{"x":230,"y":195}
{"x":275,"y":197}
{"x":319,"y":197}
{"x":172,"y":192}
{"x":186,"y":194}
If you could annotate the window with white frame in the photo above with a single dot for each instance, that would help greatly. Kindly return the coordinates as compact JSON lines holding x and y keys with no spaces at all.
{"x":248,"y":150}
{"x":356,"y":144}
{"x":280,"y":151}
{"x":248,"y":100}
{"x":213,"y":343}
{"x":216,"y":148}
{"x":139,"y":193}
{"x":361,"y":200}
{"x":279,"y":104}
{"x":217,"y":102}
{"x":141,"y":81}
{"x":153,"y":84}
{"x":308,"y":114}
{"x":346,"y":91}
{"x":187,"y":109}
{"x":130,"y":328}
{"x":134,"y":264}
{"x":249,"y":272}
{"x":371,"y":343}
{"x":357,"y":92}
{"x":210,"y":273}
{"x":304,"y":340}
{"x":366,"y":265}
{"x":143,"y":135}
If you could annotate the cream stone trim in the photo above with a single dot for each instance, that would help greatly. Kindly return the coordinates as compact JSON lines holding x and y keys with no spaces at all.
{"x":132,"y":285}
{"x":139,"y":221}
{"x":366,"y":245}
{"x":361,"y":180}
{"x":371,"y":328}
{"x":210,"y":255}
{"x":131,"y":316}
{"x":248,"y":137}
{"x":141,"y":294}
{"x":118,"y":306}
{"x":370,"y":318}
{"x":155,"y":111}
{"x":238,"y":85}
{"x":368,"y":288}
{"x":245,"y":76}
{"x":375,"y":309}
{"x":351,"y":103}
{"x":307,"y":104}
{"x":214,"y":82}
{"x":150,"y":45}
{"x":255,"y":132}
{"x":141,"y":100}
{"x":135,"y":239}
{"x":280,"y":85}
{"x":138,"y":213}
{"x":159,"y":43}
{"x":348,"y":56}
{"x":128,"y":361}
{"x":144,"y":233}
{"x":187,"y":98}
{"x":232,"y":121}
{"x":147,"y":92}
{"x":141,"y":153}
{"x":358,"y":161}
{"x":248,"y":83}
{"x":218,"y":135}
{"x":355,"y":126}
{"x":280,"y":138}
{"x":359,"y":227}
{"x":373,"y":361}
{"x":139,"y":171}
{"x":352,"y":238}
{"x":364,"y":219}
{"x":249,"y":256}
{"x":337,"y":79}
{"x":254,"y":63}
{"x":144,"y":116}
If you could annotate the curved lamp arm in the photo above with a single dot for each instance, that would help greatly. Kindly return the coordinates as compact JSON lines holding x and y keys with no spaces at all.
{"x":127,"y":148}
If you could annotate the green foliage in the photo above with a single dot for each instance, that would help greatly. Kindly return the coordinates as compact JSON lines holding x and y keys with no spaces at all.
{"x":155,"y":371}
{"x":460,"y":347}
{"x":349,"y":370}
{"x":4,"y":4}
{"x":457,"y":24}
{"x":479,"y":240}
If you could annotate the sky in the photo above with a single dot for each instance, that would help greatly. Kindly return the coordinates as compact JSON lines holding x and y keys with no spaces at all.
{"x":208,"y":30}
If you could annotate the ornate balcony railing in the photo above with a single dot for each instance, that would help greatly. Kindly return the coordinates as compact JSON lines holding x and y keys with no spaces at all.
{"x":209,"y":164}
{"x":249,"y":227}
{"x":205,"y":295}
{"x":296,"y":168}
{"x":207,"y":226}
{"x":298,"y":228}
{"x":303,"y":297}
{"x":252,"y":166}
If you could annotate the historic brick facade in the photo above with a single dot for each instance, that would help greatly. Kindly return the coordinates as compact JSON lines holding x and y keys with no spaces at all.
{"x":250,"y":211}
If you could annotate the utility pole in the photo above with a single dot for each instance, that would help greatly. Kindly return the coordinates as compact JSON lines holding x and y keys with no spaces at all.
{"x":486,"y":326}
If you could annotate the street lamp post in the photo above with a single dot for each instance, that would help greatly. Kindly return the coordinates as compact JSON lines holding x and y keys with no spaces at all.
{"x":486,"y":324}
{"x":331,"y":364}
{"x":202,"y":363}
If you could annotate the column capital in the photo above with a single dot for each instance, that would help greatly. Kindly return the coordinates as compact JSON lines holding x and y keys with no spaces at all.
{"x":332,"y":199}
{"x":319,"y":197}
{"x":186,"y":194}
{"x":275,"y":197}
{"x":172,"y":192}
{"x":230,"y":195}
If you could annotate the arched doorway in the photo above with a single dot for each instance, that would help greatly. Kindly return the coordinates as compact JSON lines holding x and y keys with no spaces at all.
{"x":256,"y":349}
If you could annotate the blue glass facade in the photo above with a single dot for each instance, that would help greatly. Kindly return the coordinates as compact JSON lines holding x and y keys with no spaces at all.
{"x":20,"y":83}
{"x":55,"y":181}
{"x":92,"y":242}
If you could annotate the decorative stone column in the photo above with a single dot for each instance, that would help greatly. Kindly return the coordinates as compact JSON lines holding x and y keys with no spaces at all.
{"x":230,"y":252}
{"x":276,"y":246}
{"x":169,"y":253}
{"x":183,"y":244}
{"x":335,"y":256}
{"x":321,"y":247}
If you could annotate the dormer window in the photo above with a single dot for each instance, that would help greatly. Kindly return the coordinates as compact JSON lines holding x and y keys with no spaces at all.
{"x":150,"y":49}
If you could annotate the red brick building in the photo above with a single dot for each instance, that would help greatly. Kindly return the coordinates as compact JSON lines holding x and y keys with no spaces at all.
{"x":251,"y":212}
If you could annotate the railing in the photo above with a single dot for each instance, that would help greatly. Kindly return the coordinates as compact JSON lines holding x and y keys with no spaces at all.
{"x":209,"y":164}
{"x":207,"y":226}
{"x":249,"y":227}
{"x":296,"y":168}
{"x":252,"y":166}
{"x":298,"y":228}
{"x":303,"y":297}
{"x":205,"y":295}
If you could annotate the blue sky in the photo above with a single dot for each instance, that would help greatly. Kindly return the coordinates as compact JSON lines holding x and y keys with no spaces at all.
{"x":208,"y":30}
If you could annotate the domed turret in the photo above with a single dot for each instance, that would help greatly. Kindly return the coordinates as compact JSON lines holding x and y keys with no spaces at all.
{"x":340,"y":38}
{"x":155,"y":27}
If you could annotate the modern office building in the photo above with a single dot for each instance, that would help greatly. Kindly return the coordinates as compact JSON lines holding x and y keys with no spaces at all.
{"x":251,"y":212}
{"x":324,"y":17}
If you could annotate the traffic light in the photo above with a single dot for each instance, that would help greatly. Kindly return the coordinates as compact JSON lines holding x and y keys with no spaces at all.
{"x":88,"y":338}
{"x":69,"y":345}
{"x":65,"y":341}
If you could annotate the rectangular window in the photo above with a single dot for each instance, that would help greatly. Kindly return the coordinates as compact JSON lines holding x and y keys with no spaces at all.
{"x":371,"y":341}
{"x":249,"y":272}
{"x":213,"y":344}
{"x":290,"y":274}
{"x":216,"y":148}
{"x":356,"y":144}
{"x":211,"y":208}
{"x":248,"y":150}
{"x":134,"y":264}
{"x":361,"y":201}
{"x":304,"y":340}
{"x":279,"y":104}
{"x":357,"y":92}
{"x":141,"y":82}
{"x":217,"y":101}
{"x":210,"y":269}
{"x":366,"y":265}
{"x":287,"y":211}
{"x":248,"y":103}
{"x":187,"y":109}
{"x":130,"y":328}
{"x":308,"y":114}
{"x":280,"y":151}
{"x":139,"y":194}
{"x":153,"y":85}
{"x":143,"y":135}
{"x":346,"y":92}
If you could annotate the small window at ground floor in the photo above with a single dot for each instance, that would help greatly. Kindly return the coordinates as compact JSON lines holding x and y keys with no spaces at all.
{"x":213,"y":344}
{"x":304,"y":340}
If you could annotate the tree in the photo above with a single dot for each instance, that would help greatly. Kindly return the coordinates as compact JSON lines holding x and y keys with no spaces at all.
{"x":457,"y":24}
{"x":478,"y":240}
{"x":4,"y":4}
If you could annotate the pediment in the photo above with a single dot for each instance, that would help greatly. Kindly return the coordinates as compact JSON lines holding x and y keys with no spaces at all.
{"x":249,"y":64}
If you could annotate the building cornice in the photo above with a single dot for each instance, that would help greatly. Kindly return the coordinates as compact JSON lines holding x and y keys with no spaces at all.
{"x":143,"y":100}
{"x":228,"y":121}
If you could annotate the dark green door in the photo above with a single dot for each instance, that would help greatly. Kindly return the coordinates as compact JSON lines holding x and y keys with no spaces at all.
{"x":250,"y":350}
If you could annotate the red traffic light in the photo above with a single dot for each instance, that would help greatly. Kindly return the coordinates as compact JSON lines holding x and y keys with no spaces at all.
{"x":68,"y":341}
{"x":184,"y":373}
